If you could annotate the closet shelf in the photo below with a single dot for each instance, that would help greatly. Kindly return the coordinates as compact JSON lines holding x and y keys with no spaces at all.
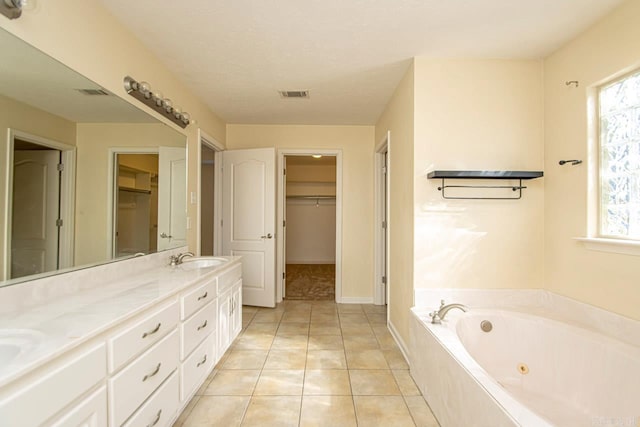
{"x":501,"y":175}
{"x":312,"y":197}
{"x":134,"y":190}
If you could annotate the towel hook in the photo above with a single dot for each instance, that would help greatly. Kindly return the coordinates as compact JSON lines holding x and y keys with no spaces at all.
{"x":575,"y":83}
{"x":573,"y":162}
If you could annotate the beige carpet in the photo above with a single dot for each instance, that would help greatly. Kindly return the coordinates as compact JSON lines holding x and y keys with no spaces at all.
{"x":311,"y":282}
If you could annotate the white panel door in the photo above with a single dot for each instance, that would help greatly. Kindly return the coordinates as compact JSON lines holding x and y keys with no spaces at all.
{"x":248,"y":217}
{"x":172,"y":198}
{"x":36,"y":198}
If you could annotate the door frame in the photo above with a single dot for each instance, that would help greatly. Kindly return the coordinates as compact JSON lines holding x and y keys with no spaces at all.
{"x":209,"y":141}
{"x":66,"y":237}
{"x":380,"y":180}
{"x":280,"y":210}
{"x":112,"y":178}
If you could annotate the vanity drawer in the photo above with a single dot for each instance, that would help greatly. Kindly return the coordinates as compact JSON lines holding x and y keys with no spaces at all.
{"x":228,"y":278}
{"x":92,"y":411}
{"x":202,"y":295}
{"x":197,"y":328}
{"x":129,"y":388}
{"x":159,"y":410}
{"x":141,"y":334}
{"x":56,"y":386}
{"x":195,"y":369}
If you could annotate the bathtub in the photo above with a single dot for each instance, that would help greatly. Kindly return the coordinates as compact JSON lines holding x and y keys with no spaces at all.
{"x":528,"y":370}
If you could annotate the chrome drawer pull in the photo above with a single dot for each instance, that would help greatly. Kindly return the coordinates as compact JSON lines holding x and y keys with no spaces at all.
{"x":204,"y":325}
{"x":156,"y":329}
{"x":204,"y":359}
{"x":156,"y":420}
{"x":146,"y":377}
{"x":203,"y":296}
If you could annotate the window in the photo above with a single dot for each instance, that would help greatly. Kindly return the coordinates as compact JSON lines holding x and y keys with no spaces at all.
{"x":619,"y":175}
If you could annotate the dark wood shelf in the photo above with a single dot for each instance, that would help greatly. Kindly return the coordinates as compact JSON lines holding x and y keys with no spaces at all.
{"x":484,"y":174}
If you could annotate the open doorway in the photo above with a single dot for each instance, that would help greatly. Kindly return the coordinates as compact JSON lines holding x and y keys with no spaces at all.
{"x":382,"y":244}
{"x":310,"y":232}
{"x":209,"y":193}
{"x":38,"y":206}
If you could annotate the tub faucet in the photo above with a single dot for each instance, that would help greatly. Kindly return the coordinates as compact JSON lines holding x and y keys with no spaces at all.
{"x":177,"y":259}
{"x":438,"y":315}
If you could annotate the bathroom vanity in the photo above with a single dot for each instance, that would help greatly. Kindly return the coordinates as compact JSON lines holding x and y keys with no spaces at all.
{"x":124,"y":350}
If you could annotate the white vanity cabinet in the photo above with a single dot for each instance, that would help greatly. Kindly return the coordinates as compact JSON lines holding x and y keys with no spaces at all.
{"x":40,"y":395}
{"x":138,"y":371}
{"x":198,"y":348}
{"x":229,"y":307}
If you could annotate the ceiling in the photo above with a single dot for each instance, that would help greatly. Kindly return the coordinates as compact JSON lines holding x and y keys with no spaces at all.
{"x":350,"y":54}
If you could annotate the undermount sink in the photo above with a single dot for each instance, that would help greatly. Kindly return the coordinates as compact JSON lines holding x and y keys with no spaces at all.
{"x":8,"y":352}
{"x":202,"y":262}
{"x":14,"y":342}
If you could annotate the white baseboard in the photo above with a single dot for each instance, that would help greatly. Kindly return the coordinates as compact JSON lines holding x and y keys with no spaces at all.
{"x":401,"y":344}
{"x":356,"y":300}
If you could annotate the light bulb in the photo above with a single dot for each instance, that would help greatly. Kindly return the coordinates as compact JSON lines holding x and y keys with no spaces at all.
{"x":158,"y":96}
{"x":26,"y":4}
{"x":168,"y":105}
{"x":145,"y":89}
{"x":186,"y":117}
{"x":316,"y":156}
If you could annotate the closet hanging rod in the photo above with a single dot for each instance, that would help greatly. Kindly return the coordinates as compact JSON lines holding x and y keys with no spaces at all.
{"x":312,"y":197}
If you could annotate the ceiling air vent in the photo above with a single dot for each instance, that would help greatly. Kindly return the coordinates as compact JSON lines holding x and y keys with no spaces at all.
{"x":294,"y":93}
{"x":93,"y":92}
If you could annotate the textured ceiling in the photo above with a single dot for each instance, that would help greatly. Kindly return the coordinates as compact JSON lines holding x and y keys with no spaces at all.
{"x":350,"y":54}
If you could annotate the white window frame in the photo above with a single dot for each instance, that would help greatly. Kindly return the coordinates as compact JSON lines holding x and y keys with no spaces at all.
{"x":595,"y":240}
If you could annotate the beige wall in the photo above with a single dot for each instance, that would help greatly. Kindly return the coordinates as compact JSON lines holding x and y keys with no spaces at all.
{"x":603,"y":279}
{"x":356,"y":143}
{"x":398,"y":118}
{"x":84,"y":36}
{"x":92,"y":178}
{"x":478,"y":115}
{"x":21,"y":117}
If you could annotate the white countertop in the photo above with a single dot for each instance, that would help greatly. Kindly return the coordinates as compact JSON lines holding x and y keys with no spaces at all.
{"x":70,"y":320}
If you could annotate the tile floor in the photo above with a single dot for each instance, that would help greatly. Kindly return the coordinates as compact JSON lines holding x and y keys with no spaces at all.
{"x":310,"y":363}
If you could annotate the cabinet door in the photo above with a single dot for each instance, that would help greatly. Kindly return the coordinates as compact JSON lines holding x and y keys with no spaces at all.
{"x":236,"y":310}
{"x":224,"y":322}
{"x":91,"y":412}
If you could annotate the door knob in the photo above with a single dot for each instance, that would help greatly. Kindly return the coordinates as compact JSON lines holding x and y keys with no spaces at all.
{"x":165,"y":235}
{"x":268,"y":236}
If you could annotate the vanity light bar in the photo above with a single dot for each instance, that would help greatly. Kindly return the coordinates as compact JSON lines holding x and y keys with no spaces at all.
{"x":142,"y":92}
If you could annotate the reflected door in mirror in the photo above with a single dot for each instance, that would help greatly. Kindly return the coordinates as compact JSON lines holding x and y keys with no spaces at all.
{"x":35,"y":211}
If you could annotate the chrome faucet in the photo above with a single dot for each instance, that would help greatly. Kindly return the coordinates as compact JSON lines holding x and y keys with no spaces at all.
{"x":437,"y":316}
{"x":177,"y":259}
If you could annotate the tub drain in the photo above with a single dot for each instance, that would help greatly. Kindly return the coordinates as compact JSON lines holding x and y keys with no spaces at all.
{"x":486,"y":326}
{"x":523,"y":368}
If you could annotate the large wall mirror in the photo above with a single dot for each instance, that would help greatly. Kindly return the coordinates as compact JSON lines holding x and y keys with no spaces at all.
{"x":86,"y":177}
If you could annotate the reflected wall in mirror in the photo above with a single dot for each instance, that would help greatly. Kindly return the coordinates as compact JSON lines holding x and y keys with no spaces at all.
{"x":61,"y":136}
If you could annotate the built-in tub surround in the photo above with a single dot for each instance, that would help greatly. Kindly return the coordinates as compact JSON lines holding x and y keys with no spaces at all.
{"x":66,"y":310}
{"x":529,"y":369}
